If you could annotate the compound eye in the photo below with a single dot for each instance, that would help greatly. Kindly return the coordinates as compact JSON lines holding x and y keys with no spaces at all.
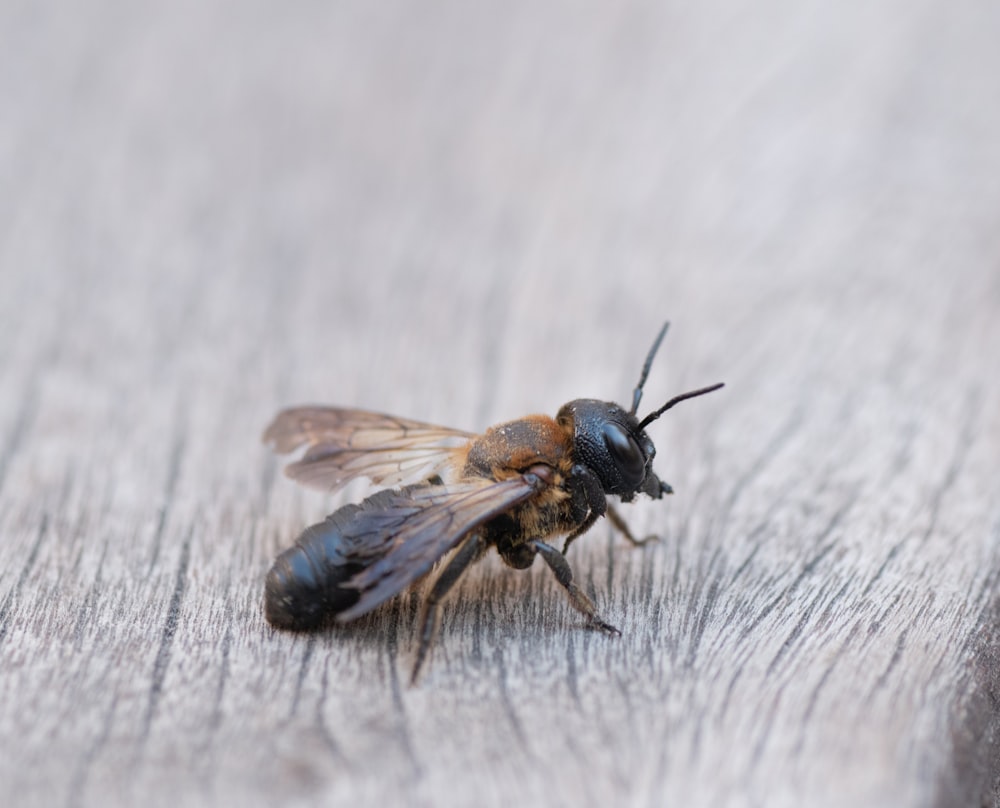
{"x":626,"y":453}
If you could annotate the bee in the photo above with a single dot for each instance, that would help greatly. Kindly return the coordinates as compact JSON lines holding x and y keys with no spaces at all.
{"x":450,"y":493}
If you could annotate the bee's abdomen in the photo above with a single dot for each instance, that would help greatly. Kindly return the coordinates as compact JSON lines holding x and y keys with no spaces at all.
{"x":306,"y":583}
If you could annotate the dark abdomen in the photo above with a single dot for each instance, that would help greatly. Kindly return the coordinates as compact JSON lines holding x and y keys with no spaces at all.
{"x":305,"y":584}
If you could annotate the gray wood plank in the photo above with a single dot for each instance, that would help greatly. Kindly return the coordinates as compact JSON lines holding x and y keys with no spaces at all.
{"x":464,"y":213}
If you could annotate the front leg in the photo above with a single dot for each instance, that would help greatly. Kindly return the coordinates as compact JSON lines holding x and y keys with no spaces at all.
{"x":616,"y":520}
{"x":590,"y":503}
{"x":588,"y":500}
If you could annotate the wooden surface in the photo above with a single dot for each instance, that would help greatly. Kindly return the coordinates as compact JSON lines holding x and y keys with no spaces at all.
{"x":462,"y":213}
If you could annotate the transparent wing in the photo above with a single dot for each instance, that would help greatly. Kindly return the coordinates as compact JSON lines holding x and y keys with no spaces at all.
{"x":343,"y":444}
{"x":410,"y":529}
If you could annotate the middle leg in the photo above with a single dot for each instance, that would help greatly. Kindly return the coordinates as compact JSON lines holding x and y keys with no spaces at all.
{"x":564,"y":575}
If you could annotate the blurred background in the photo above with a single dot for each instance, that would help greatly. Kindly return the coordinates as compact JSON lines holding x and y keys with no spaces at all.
{"x":369,"y":180}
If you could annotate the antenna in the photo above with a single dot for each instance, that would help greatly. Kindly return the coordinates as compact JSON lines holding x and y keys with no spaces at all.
{"x":677,"y":400}
{"x":637,"y":393}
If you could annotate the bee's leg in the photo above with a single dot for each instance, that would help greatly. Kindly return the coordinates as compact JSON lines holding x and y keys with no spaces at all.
{"x":587,"y":500}
{"x":467,"y":553}
{"x":587,"y":523}
{"x":616,"y":519}
{"x":564,"y":575}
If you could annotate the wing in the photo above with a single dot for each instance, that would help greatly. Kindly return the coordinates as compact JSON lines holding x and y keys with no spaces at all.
{"x":411,"y":529}
{"x":345,"y":443}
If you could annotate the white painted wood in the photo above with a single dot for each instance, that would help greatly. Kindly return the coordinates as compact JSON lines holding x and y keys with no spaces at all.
{"x":464,"y":213}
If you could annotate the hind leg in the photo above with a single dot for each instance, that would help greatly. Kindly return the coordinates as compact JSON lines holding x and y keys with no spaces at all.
{"x":467,"y":553}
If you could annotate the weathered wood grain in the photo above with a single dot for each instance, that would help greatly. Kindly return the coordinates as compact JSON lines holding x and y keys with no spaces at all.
{"x":464,"y":213}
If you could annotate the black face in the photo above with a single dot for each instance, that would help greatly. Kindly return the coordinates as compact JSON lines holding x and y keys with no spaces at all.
{"x":609,"y":441}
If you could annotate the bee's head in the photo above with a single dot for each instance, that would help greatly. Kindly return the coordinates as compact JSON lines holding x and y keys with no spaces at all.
{"x":610,"y":442}
{"x":613,"y":443}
